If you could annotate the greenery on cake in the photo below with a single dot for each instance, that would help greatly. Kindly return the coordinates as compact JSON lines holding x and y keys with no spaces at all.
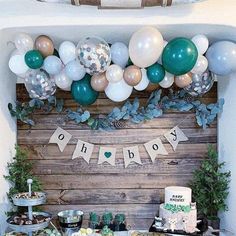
{"x":20,"y":169}
{"x":210,"y":185}
{"x":174,"y":208}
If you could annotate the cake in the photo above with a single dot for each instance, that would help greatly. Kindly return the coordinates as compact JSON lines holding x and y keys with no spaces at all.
{"x":178,"y":212}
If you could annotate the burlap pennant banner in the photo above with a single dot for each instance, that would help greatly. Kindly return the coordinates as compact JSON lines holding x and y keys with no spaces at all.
{"x":131,"y":154}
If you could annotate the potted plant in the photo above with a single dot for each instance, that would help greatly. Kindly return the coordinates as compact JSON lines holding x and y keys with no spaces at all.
{"x":210,"y":187}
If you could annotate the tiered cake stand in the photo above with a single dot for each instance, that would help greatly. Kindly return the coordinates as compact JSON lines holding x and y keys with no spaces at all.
{"x":30,"y":202}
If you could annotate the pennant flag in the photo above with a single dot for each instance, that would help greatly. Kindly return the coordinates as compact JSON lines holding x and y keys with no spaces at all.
{"x":131,"y":154}
{"x":61,"y":138}
{"x":154,"y":148}
{"x":174,"y":136}
{"x":84,"y":150}
{"x":107,"y":154}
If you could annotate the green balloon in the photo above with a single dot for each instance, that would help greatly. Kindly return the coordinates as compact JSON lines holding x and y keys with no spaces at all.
{"x":179,"y":56}
{"x":34,"y":59}
{"x":156,"y":73}
{"x":82,"y":92}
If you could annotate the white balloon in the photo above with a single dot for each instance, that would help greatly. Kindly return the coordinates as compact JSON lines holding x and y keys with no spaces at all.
{"x":118,"y":92}
{"x":200,"y":66}
{"x":17,"y":65}
{"x":23,"y":42}
{"x":74,"y":70}
{"x":67,"y":52}
{"x":62,"y":81}
{"x":160,"y":58}
{"x":145,"y":46}
{"x":119,"y":54}
{"x":201,"y":42}
{"x":53,"y":65}
{"x":114,"y":73}
{"x":143,"y":84}
{"x":168,"y":80}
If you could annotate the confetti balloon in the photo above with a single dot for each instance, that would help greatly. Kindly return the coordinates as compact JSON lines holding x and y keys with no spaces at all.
{"x":39,"y":84}
{"x":179,"y":56}
{"x":118,"y":92}
{"x":183,"y":81}
{"x":94,"y":54}
{"x":143,"y":84}
{"x":201,"y":84}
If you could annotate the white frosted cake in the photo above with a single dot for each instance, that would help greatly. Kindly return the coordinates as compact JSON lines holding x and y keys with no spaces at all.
{"x":178,"y":213}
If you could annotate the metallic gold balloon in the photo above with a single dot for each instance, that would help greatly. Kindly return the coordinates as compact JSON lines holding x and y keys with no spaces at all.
{"x":183,"y":81}
{"x":132,"y":75}
{"x":45,"y":45}
{"x":99,"y":82}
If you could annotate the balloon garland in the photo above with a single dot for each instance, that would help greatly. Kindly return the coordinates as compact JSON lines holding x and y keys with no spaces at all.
{"x":94,"y":66}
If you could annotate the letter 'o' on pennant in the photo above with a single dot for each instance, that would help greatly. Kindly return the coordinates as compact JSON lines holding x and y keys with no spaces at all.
{"x":84,"y":150}
{"x":174,"y":136}
{"x":154,"y":148}
{"x":61,"y":138}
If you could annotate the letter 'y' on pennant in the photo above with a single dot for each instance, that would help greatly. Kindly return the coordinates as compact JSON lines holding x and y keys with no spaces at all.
{"x":174,"y":136}
{"x":154,"y":148}
{"x":84,"y":150}
{"x":131,"y":154}
{"x":61,"y":138}
{"x":107,"y":154}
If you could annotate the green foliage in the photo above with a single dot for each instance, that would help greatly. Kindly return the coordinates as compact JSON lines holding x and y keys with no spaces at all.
{"x":210,"y":185}
{"x":155,"y":107}
{"x":20,"y":169}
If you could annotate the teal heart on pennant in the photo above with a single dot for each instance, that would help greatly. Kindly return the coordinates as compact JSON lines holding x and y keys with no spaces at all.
{"x":107,"y":154}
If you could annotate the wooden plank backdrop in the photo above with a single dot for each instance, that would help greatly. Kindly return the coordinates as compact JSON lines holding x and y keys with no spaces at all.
{"x":137,"y":190}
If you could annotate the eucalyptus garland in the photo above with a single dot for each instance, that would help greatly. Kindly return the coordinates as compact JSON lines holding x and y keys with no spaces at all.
{"x":155,"y":107}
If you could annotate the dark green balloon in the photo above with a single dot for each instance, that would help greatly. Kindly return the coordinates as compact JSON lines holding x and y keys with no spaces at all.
{"x":34,"y":59}
{"x":82,"y":92}
{"x":156,"y":73}
{"x":179,"y":56}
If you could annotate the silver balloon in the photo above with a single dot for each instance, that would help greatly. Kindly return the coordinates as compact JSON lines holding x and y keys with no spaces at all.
{"x":201,"y":84}
{"x":39,"y":84}
{"x":94,"y":54}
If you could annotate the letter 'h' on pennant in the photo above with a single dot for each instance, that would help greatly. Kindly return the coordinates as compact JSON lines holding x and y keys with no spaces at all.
{"x":61,"y":138}
{"x":84,"y":150}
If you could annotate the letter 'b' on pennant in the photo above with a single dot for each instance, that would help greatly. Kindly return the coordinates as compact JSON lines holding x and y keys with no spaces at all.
{"x":131,"y":154}
{"x":84,"y":150}
{"x":174,"y":136}
{"x":61,"y":138}
{"x":154,"y":148}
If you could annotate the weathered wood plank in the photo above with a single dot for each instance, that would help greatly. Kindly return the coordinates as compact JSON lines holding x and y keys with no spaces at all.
{"x":168,"y":120}
{"x":126,"y":136}
{"x":113,"y":181}
{"x":52,"y":152}
{"x":161,"y":166}
{"x":137,"y":211}
{"x":105,"y":196}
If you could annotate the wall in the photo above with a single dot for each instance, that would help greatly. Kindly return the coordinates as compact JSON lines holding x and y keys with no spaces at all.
{"x":135,"y":191}
{"x":7,"y":128}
